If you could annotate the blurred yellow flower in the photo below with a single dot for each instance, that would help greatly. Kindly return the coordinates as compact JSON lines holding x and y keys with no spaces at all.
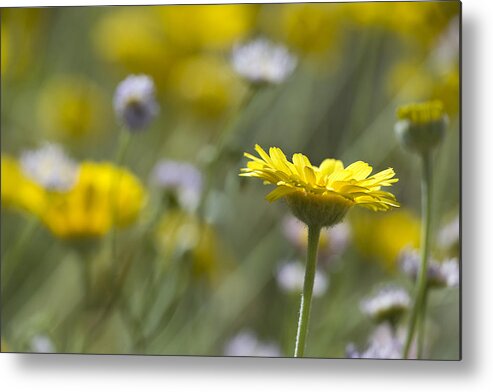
{"x":72,"y":107}
{"x":446,"y":89}
{"x":310,"y":28}
{"x":417,"y":22}
{"x":215,"y":27}
{"x":314,"y":191}
{"x":4,"y":48}
{"x":382,"y":237}
{"x":134,"y":38}
{"x":181,"y":234}
{"x":17,"y":190}
{"x":104,"y":196}
{"x":20,"y":30}
{"x":208,"y":85}
{"x":416,"y":82}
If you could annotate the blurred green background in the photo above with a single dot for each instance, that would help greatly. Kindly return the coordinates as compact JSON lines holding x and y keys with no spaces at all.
{"x":191,"y":281}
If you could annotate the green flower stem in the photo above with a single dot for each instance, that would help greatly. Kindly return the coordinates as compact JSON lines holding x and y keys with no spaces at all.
{"x":306,"y":297}
{"x":421,"y":326}
{"x":221,"y":144}
{"x":123,"y":143}
{"x":421,"y":284}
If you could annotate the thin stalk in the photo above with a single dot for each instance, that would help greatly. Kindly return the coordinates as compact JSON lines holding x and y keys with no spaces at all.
{"x":111,"y":240}
{"x":421,"y":326}
{"x":123,"y":143}
{"x":306,"y":297}
{"x":221,"y":143}
{"x":421,"y":283}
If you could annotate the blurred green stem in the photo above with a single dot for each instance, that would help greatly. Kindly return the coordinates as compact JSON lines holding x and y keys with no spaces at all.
{"x":15,"y":251}
{"x":421,"y":284}
{"x":222,"y":143}
{"x":306,"y":297}
{"x":123,"y":143}
{"x":422,"y":326}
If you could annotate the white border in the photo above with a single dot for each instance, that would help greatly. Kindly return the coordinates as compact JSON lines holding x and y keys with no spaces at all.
{"x":474,"y":373}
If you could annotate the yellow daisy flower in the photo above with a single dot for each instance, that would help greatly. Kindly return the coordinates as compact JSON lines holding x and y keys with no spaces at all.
{"x":321,"y":195}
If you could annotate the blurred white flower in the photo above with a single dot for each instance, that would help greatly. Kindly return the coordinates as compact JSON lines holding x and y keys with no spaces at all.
{"x":383,"y":344}
{"x":444,"y":273}
{"x":246,"y":344}
{"x":261,"y":61}
{"x":290,"y":277}
{"x":389,"y":304}
{"x":333,"y":241}
{"x":448,"y":235}
{"x":49,"y":167}
{"x":180,"y":177}
{"x":134,"y":102}
{"x":42,"y":344}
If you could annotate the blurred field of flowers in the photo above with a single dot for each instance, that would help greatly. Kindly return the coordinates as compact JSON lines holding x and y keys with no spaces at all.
{"x":125,"y":225}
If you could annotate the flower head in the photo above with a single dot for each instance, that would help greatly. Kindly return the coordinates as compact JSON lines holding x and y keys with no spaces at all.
{"x":207,"y":85}
{"x":420,"y":126}
{"x":290,"y":277}
{"x":95,"y":203}
{"x":72,"y":107}
{"x":49,"y":167}
{"x":321,"y":195}
{"x":389,"y":304}
{"x":134,"y":102}
{"x":181,"y":178}
{"x":261,"y":61}
{"x":440,"y":274}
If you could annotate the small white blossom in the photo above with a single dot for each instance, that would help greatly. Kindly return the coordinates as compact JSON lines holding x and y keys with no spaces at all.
{"x":49,"y":167}
{"x":290,"y":277}
{"x":180,"y":177}
{"x":389,"y":304}
{"x":134,"y":102}
{"x":261,"y":61}
{"x":246,"y":344}
{"x":448,"y":235}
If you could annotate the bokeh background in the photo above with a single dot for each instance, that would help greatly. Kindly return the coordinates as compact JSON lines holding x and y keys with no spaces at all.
{"x":212,"y":280}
